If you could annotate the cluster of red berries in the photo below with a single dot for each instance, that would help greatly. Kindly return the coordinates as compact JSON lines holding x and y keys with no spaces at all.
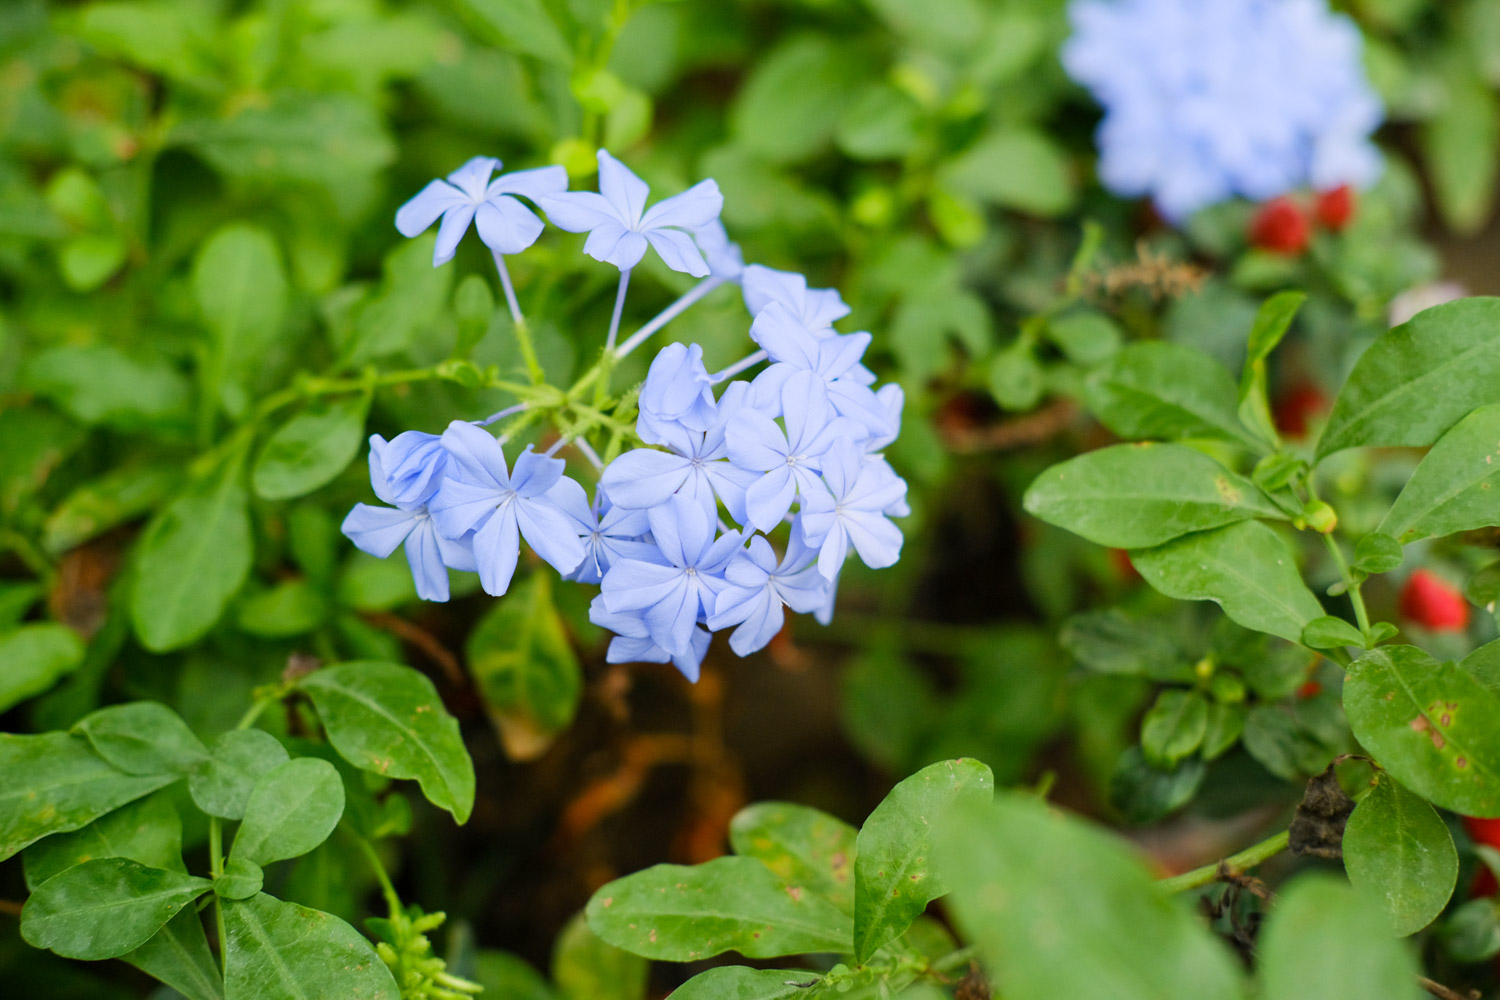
{"x":1284,"y":225}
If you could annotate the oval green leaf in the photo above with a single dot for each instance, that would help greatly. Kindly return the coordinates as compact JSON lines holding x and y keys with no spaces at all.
{"x":585,"y":967}
{"x":1059,"y":908}
{"x":143,"y":737}
{"x":221,"y":785}
{"x":894,"y":878}
{"x":804,"y":846}
{"x":736,"y":982}
{"x":178,"y":955}
{"x":1432,"y":725}
{"x":1419,"y":379}
{"x":1245,"y":568}
{"x":105,"y":907}
{"x":675,"y":913}
{"x":1134,"y":496}
{"x":35,"y":658}
{"x":292,"y":809}
{"x":387,"y":718}
{"x":241,"y":879}
{"x":147,"y":831}
{"x":1454,"y":487}
{"x":1323,"y":940}
{"x":310,"y":450}
{"x":282,"y":951}
{"x":1159,"y":390}
{"x":1174,"y":727}
{"x":1398,"y":852}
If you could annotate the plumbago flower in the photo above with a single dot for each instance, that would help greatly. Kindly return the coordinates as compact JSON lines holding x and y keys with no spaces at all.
{"x":1205,"y":101}
{"x":680,"y":537}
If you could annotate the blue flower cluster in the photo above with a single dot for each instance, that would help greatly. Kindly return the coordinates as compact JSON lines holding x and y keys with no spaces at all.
{"x":1205,"y":101}
{"x":676,"y":534}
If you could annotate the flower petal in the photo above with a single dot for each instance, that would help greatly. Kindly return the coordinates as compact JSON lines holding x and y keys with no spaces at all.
{"x":455,"y":223}
{"x":473,"y":176}
{"x":550,"y":534}
{"x":622,"y":189}
{"x":378,"y":530}
{"x":423,"y":210}
{"x":534,"y":183}
{"x":679,"y":251}
{"x":426,"y":561}
{"x":697,"y":206}
{"x":506,"y":225}
{"x":644,"y":478}
{"x":497,"y":547}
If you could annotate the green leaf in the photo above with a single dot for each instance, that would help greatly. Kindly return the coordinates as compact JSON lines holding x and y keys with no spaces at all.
{"x":101,"y":384}
{"x":1144,"y":794}
{"x":473,"y":307}
{"x":1328,"y":632}
{"x":1245,"y":568}
{"x":789,"y":107}
{"x":88,"y":260}
{"x":882,"y":123}
{"x":1452,"y":489}
{"x":35,"y":657}
{"x":1226,"y":723}
{"x":1015,"y":377}
{"x":1271,"y":324}
{"x":802,"y":845}
{"x":412,"y":296}
{"x":158,"y":36}
{"x":105,"y":907}
{"x":292,"y":809}
{"x":894,"y":878}
{"x":387,"y":718}
{"x":506,"y":975}
{"x":310,"y":450}
{"x":290,"y":608}
{"x":190,"y":562}
{"x":1432,"y":725}
{"x":584,"y":967}
{"x":1174,"y":727}
{"x":1484,"y":666}
{"x":1162,"y":390}
{"x":1400,"y":855}
{"x":221,"y":785}
{"x":736,"y":982}
{"x":119,"y":495}
{"x":1459,"y":146}
{"x":1472,"y":932}
{"x":241,"y":290}
{"x":1133,"y":496}
{"x":143,"y":737}
{"x":1058,"y":908}
{"x":1281,"y":745}
{"x":241,"y":879}
{"x":1377,"y":553}
{"x":36,"y":442}
{"x":178,"y":955}
{"x":1088,"y":338}
{"x":522,"y":26}
{"x":282,"y":951}
{"x":1322,"y":940}
{"x":55,"y":784}
{"x":678,"y":914}
{"x":147,"y":831}
{"x":1018,"y":168}
{"x":1112,"y":642}
{"x":1419,"y":379}
{"x":525,"y":667}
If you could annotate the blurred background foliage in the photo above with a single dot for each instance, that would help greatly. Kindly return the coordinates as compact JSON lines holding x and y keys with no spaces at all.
{"x":198,"y":266}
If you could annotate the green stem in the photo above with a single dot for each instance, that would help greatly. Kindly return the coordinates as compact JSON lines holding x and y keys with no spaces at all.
{"x":387,"y":887}
{"x":1235,"y":863}
{"x":216,"y":868}
{"x":1351,"y":585}
{"x":29,"y":553}
{"x":954,"y":960}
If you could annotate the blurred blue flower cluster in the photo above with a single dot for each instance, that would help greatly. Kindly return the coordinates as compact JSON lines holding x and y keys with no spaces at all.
{"x":1206,"y":101}
{"x":676,"y":533}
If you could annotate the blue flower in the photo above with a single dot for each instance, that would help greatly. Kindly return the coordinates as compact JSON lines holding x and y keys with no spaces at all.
{"x":380,"y":530}
{"x":758,"y":589}
{"x":861,"y":489}
{"x":501,"y":507}
{"x":788,"y":460}
{"x":608,"y":531}
{"x":1205,"y":101}
{"x":678,"y":390}
{"x":633,"y":644}
{"x":835,"y":358}
{"x":816,"y":309}
{"x":724,"y":258}
{"x":669,"y":597}
{"x":468,"y":195}
{"x":414,"y":464}
{"x":620,"y":227}
{"x":696,"y":467}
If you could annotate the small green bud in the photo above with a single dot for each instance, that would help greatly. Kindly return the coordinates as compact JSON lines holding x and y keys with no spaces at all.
{"x":1320,"y":517}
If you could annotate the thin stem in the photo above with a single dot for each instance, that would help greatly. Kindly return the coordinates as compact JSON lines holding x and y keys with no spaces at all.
{"x":1361,"y":616}
{"x":614,"y":321}
{"x":749,"y":361}
{"x":1235,"y":863}
{"x":387,"y":888}
{"x":555,"y":447}
{"x":588,"y":452}
{"x":509,"y":411}
{"x":668,"y":314}
{"x":523,"y":332}
{"x":954,"y":960}
{"x":254,"y":711}
{"x":216,"y":869}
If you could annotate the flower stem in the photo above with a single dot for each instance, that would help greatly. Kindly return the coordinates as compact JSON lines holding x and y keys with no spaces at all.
{"x":509,"y":411}
{"x":614,"y":321}
{"x":387,"y":888}
{"x":1235,"y":863}
{"x":668,"y":314}
{"x":523,"y":332}
{"x":1361,"y":616}
{"x":216,"y":869}
{"x":749,"y":361}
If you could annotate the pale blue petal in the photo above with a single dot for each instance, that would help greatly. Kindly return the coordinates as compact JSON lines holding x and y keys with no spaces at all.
{"x":378,"y":530}
{"x":804,"y":404}
{"x":577,"y":211}
{"x":678,"y":251}
{"x":497,"y":547}
{"x":535,"y":474}
{"x":834,"y":551}
{"x":755,"y":442}
{"x":759,"y":628}
{"x":876,"y":539}
{"x":785,"y":339}
{"x":455,"y":223}
{"x":729,"y":484}
{"x":535,"y":183}
{"x":422,"y":211}
{"x":630,"y":649}
{"x":550,"y":534}
{"x":473,"y":176}
{"x":690,"y":661}
{"x":697,"y":206}
{"x":614,"y":244}
{"x":506,"y":225}
{"x":457,"y":553}
{"x":425,"y":557}
{"x":671,"y":620}
{"x":644,"y":478}
{"x":769,"y":498}
{"x":667,"y":527}
{"x":622,"y":623}
{"x":457,"y":506}
{"x":634,"y":586}
{"x":478,"y":453}
{"x":567,"y":496}
{"x":624,"y":191}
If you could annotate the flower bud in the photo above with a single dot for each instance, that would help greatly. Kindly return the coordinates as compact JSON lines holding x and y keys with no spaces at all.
{"x":1432,"y":602}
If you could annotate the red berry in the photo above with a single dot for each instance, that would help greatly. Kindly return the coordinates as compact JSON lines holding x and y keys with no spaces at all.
{"x":1294,"y":409}
{"x":1280,"y":226}
{"x":1432,"y":602}
{"x":1311,"y":689}
{"x":1484,"y":831}
{"x":1335,"y":208}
